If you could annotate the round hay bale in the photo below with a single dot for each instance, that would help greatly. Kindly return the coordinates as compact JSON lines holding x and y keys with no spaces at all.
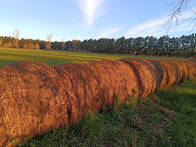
{"x":159,"y":72}
{"x":178,"y":70}
{"x":81,"y":88}
{"x":181,"y":73}
{"x":172,"y":71}
{"x":27,"y":95}
{"x":146,"y":78}
{"x":192,"y":68}
{"x":36,"y":98}
{"x":155,"y":67}
{"x":185,"y":69}
{"x":116,"y":80}
{"x":95,"y":84}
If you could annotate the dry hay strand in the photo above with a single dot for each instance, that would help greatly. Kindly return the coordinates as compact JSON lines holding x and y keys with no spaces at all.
{"x":146,"y":78}
{"x":28,"y":96}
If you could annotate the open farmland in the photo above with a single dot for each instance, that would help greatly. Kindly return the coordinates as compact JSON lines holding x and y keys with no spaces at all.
{"x":8,"y":56}
{"x":47,"y":97}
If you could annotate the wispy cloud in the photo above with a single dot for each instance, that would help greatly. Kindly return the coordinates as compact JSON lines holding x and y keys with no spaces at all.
{"x":92,"y":9}
{"x":159,"y":26}
{"x":111,"y":31}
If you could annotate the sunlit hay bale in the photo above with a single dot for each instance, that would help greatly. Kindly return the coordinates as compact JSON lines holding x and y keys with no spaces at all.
{"x":79,"y":86}
{"x":90,"y":86}
{"x":125,"y":79}
{"x":29,"y":102}
{"x":156,"y":68}
{"x":116,"y":79}
{"x":145,"y":75}
{"x":36,"y":98}
{"x":192,"y":68}
{"x":178,"y":70}
{"x":185,"y":69}
{"x":165,"y":78}
{"x":160,"y":72}
{"x":106,"y":81}
{"x":95,"y":99}
{"x":154,"y":73}
{"x":181,"y":73}
{"x":172,"y":73}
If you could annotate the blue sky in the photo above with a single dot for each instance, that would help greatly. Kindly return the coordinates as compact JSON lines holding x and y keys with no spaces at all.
{"x":84,"y":19}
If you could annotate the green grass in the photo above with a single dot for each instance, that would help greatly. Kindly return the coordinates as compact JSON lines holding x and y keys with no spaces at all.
{"x":8,"y":56}
{"x":173,"y":125}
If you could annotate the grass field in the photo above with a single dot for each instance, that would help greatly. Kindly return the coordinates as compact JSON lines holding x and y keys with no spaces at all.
{"x":8,"y":56}
{"x":165,"y":119}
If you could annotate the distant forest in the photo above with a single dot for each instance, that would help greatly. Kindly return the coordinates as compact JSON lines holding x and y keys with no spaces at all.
{"x":183,"y":46}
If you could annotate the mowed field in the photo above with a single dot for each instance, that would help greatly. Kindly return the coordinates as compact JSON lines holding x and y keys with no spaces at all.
{"x":9,"y":56}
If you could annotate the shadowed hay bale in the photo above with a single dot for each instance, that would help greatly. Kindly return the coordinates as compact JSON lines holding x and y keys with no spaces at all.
{"x":145,"y":76}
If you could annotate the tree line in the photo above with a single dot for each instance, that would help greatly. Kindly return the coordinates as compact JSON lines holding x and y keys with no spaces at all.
{"x":164,"y":46}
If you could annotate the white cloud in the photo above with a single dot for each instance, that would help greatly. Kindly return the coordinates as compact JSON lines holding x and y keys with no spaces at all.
{"x":111,"y":31}
{"x":92,"y":9}
{"x":159,"y":26}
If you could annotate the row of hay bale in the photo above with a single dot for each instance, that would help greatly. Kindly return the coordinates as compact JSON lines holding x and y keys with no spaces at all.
{"x":36,"y":98}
